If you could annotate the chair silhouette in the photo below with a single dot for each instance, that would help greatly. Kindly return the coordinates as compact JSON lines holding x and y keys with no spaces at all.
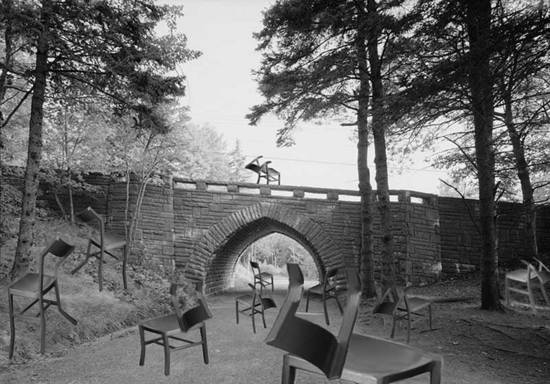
{"x":264,"y":171}
{"x":35,"y":286}
{"x":326,"y":290}
{"x":526,"y":280}
{"x":253,"y":304}
{"x":397,"y":303}
{"x":263,"y":279}
{"x":347,"y":356}
{"x":105,"y":243}
{"x":174,"y":326}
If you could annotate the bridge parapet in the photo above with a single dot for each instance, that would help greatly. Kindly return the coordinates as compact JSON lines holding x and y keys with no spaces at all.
{"x":300,"y":192}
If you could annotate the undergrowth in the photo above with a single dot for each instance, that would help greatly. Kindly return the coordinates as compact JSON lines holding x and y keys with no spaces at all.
{"x":97,"y":313}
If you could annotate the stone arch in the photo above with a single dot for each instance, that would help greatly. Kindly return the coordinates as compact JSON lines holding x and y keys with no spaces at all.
{"x":216,"y":252}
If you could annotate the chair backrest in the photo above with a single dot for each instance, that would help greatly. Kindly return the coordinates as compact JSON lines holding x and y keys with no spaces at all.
{"x":308,"y":340}
{"x":255,"y":267}
{"x":329,"y":280}
{"x":191,"y":317}
{"x":57,"y":248}
{"x":254,"y":165}
{"x":388,"y":302}
{"x":91,"y":217}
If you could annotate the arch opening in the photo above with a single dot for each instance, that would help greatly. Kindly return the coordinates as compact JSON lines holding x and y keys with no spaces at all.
{"x":220,"y":273}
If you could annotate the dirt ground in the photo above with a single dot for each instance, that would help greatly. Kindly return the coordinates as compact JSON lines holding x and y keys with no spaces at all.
{"x":477,"y":347}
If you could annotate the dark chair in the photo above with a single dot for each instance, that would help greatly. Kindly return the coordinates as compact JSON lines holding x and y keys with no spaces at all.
{"x":254,"y":304}
{"x":348,"y":356}
{"x":263,"y":279}
{"x":264,"y":171}
{"x":35,"y":286}
{"x":105,"y":243}
{"x":327,"y":290}
{"x":174,"y":326}
{"x":524,"y":281}
{"x":400,"y":305}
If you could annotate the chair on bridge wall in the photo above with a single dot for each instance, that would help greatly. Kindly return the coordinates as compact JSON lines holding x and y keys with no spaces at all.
{"x":35,"y":286}
{"x":264,"y":171}
{"x":400,"y":305}
{"x":174,"y":327}
{"x":348,"y":356}
{"x":524,"y":281}
{"x":104,"y":243}
{"x":254,"y":304}
{"x":327,"y":289}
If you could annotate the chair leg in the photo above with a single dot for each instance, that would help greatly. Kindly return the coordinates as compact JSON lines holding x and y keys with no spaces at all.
{"x":166,"y":354}
{"x":408,"y":327}
{"x":204,"y":344}
{"x":307,"y":301}
{"x":289,"y":372}
{"x":430,"y":316}
{"x":237,"y":311}
{"x":393,"y":323}
{"x":124,"y":262}
{"x":142,"y":344}
{"x":507,"y":291}
{"x":263,"y":316}
{"x":435,"y":373}
{"x":339,"y":305}
{"x":60,"y":308}
{"x":272,"y":285}
{"x":253,"y":315}
{"x":325,"y":309}
{"x":544,"y":294}
{"x":12,"y":325}
{"x":531,"y":297}
{"x":100,"y":269}
{"x":42,"y":327}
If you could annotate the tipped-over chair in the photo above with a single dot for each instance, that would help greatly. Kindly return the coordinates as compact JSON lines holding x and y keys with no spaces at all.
{"x":174,"y":327}
{"x":328,"y":289}
{"x":400,"y":305}
{"x":104,"y":243}
{"x":348,"y":356}
{"x":264,"y":171}
{"x":254,"y":304}
{"x":35,"y":286}
{"x":524,"y":281}
{"x":263,"y":279}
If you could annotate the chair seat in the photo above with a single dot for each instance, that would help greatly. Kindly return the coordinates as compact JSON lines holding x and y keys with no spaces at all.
{"x":416,"y":304}
{"x":520,"y":276}
{"x":167,"y":324}
{"x":244,"y":299}
{"x":29,"y":285}
{"x":110,"y":242}
{"x":317,"y":289}
{"x":371,"y":358}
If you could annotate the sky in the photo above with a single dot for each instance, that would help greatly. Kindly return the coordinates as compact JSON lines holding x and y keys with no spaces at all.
{"x":221,"y":89}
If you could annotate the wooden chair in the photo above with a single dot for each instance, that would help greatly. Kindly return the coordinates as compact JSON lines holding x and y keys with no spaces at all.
{"x":347,"y":356}
{"x":253,"y":304}
{"x":526,"y":280}
{"x":400,"y":305}
{"x":35,"y":286}
{"x":174,"y":327}
{"x":263,"y":279}
{"x":327,"y":290}
{"x":264,"y":171}
{"x":105,"y":243}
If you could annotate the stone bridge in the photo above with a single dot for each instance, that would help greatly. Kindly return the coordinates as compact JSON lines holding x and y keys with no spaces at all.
{"x":205,"y":226}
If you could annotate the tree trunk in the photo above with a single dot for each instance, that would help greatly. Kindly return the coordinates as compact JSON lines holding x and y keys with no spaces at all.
{"x":8,"y":61}
{"x":522,"y":168}
{"x":478,"y":23}
{"x":28,"y":210}
{"x":366,"y":258}
{"x":380,"y":158}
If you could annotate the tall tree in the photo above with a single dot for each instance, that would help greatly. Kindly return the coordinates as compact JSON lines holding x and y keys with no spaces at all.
{"x":109,"y":46}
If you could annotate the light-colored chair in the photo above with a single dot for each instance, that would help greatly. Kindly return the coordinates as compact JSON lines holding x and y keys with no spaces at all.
{"x":524,"y":281}
{"x":348,"y":356}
